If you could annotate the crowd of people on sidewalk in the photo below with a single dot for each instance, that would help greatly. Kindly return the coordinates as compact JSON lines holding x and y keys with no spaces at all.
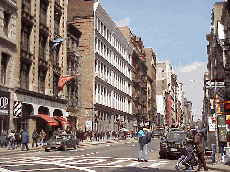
{"x":15,"y":140}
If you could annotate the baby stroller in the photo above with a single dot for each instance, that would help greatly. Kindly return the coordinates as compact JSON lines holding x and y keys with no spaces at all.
{"x":188,"y":160}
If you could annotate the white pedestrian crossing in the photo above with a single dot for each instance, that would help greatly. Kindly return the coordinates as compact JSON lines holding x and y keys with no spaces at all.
{"x":80,"y":163}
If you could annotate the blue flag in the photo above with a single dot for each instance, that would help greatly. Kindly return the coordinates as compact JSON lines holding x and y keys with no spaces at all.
{"x":54,"y":43}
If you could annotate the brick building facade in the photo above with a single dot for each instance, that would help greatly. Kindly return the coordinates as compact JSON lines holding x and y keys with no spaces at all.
{"x":105,"y":69}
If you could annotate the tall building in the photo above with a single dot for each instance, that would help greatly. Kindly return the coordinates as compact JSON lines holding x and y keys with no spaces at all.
{"x":169,"y":96}
{"x":139,"y":78}
{"x":40,"y":63}
{"x":164,"y":71}
{"x":8,"y":50}
{"x":151,"y":85}
{"x":105,"y":68}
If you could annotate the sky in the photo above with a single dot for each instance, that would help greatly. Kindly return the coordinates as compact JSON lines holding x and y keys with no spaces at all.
{"x":176,"y":30}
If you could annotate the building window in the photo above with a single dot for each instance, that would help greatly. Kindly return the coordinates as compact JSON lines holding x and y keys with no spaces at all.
{"x":6,"y":21}
{"x":3,"y":68}
{"x":26,"y":6}
{"x":43,"y":11}
{"x":55,"y":85}
{"x":25,"y":37}
{"x":42,"y":47}
{"x":56,"y":22}
{"x":24,"y":75}
{"x":41,"y":81}
{"x":72,"y":94}
{"x":56,"y":55}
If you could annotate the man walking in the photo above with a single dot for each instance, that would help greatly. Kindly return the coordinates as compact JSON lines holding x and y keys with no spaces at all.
{"x":35,"y":138}
{"x":24,"y":139}
{"x":144,"y":138}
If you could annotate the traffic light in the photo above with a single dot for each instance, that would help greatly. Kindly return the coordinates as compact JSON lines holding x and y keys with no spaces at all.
{"x":227,"y":107}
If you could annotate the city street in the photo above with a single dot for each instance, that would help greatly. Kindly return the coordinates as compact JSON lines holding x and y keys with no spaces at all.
{"x":115,"y":156}
{"x":119,"y":155}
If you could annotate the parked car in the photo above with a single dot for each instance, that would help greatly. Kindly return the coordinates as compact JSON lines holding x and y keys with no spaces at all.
{"x":61,"y":142}
{"x":156,"y":133}
{"x":173,"y":144}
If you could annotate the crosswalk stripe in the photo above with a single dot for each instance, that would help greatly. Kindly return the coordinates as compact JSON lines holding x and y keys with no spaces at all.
{"x":84,"y":163}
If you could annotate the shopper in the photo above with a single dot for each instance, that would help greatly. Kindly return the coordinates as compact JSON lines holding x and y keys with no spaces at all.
{"x":11,"y":139}
{"x":3,"y":138}
{"x":42,"y":136}
{"x":24,"y":139}
{"x":35,"y":138}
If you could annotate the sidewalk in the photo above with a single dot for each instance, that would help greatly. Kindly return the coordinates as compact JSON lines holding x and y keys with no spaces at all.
{"x":83,"y":144}
{"x":218,"y":166}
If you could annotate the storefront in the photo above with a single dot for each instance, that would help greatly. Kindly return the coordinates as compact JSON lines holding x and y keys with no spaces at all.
{"x":4,"y":110}
{"x":39,"y":112}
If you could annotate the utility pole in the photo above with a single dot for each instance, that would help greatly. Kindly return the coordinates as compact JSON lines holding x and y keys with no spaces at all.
{"x":216,"y":122}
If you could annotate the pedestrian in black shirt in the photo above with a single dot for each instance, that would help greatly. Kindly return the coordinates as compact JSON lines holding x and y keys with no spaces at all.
{"x":35,"y":138}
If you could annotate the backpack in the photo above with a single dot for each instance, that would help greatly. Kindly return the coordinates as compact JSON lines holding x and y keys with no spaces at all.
{"x":148,"y":138}
{"x":141,"y":133}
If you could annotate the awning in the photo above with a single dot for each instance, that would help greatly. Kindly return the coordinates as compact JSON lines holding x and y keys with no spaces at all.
{"x":62,"y":120}
{"x":50,"y":121}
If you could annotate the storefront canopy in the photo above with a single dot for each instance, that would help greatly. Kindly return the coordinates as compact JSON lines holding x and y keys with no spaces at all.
{"x":62,"y":120}
{"x":50,"y":121}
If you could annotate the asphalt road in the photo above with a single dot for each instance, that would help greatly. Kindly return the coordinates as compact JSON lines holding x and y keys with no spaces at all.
{"x":118,"y":156}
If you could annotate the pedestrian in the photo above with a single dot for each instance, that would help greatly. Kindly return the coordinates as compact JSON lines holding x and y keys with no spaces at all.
{"x":213,"y":155}
{"x":59,"y":132}
{"x":96,"y":135}
{"x":24,"y":139}
{"x":144,"y":138}
{"x":11,"y":139}
{"x":200,"y":151}
{"x":42,"y":136}
{"x":91,"y":135}
{"x":35,"y":138}
{"x":3,"y":138}
{"x":68,"y":131}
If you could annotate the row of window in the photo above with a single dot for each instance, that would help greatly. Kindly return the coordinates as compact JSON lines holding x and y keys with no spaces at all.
{"x":112,"y":58}
{"x":108,"y":35}
{"x":108,"y":75}
{"x":111,"y":99}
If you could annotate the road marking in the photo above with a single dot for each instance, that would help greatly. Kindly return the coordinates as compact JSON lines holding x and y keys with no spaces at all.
{"x":83,"y":163}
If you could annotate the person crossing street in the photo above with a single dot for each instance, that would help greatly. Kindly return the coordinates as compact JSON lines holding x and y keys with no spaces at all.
{"x":144,"y":138}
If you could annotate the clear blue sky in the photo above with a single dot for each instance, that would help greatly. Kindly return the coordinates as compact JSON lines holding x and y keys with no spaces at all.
{"x":176,"y":30}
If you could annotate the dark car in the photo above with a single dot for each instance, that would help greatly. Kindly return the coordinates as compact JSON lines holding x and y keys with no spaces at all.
{"x":61,"y":142}
{"x":173,"y":144}
{"x":156,"y":134}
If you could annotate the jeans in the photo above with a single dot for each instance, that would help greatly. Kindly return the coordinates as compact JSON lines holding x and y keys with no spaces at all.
{"x":41,"y":141}
{"x":10,"y":143}
{"x":143,"y":147}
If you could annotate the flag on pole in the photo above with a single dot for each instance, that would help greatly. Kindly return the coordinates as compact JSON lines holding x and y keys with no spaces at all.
{"x":54,"y":43}
{"x":17,"y":108}
{"x":62,"y":81}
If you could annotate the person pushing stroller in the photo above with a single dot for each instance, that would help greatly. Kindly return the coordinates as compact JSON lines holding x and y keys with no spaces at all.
{"x":189,"y":159}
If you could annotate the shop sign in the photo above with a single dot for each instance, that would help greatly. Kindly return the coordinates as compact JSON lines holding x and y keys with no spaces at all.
{"x":222,"y":128}
{"x":88,"y":125}
{"x":4,"y":103}
{"x":211,"y":125}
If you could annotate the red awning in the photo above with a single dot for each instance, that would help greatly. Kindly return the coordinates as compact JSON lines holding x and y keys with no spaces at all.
{"x":62,"y":120}
{"x":50,"y":121}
